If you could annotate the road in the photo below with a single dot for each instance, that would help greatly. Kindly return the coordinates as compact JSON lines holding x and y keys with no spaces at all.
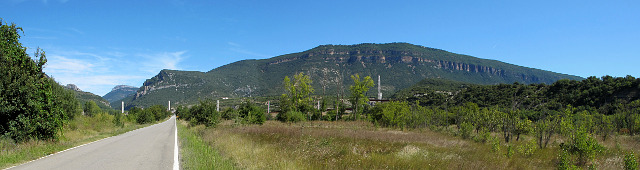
{"x":152,"y":147}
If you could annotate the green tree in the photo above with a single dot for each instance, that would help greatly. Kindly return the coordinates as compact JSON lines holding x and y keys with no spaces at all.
{"x":91,"y":108}
{"x":297,"y":96}
{"x":27,"y":109}
{"x":358,"y":91}
{"x":66,"y":100}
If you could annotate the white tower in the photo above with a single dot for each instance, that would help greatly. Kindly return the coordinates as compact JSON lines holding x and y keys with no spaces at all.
{"x":169,"y":108}
{"x":122,"y":106}
{"x":379,"y":89}
{"x":217,"y":105}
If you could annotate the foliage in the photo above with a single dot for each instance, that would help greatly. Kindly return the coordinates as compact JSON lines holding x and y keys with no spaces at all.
{"x":465,"y":130}
{"x":66,"y":100}
{"x":630,"y":162}
{"x":203,"y":113}
{"x":91,"y":108}
{"x":230,"y":113}
{"x":358,"y":91}
{"x":528,"y":149}
{"x":27,"y":106}
{"x":249,"y":113}
{"x":583,"y":145}
{"x":393,"y":114}
{"x":291,"y":116}
{"x":297,"y":96}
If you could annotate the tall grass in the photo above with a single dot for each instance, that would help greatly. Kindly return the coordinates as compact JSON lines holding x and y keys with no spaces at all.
{"x":360,"y":145}
{"x":81,"y":130}
{"x":196,"y":153}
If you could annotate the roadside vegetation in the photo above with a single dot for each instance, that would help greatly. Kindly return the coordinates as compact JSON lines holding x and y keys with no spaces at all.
{"x":566,"y":125}
{"x":196,"y":153}
{"x":39,"y":117}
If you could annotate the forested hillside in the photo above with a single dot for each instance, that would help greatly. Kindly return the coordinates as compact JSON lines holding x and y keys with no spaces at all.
{"x":400,"y":65}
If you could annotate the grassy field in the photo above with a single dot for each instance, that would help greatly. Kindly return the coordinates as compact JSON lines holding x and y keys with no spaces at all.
{"x":196,"y":153}
{"x":76,"y":132}
{"x":360,"y":145}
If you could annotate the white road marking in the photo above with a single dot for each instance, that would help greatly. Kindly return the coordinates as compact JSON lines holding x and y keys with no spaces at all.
{"x":176,"y":162}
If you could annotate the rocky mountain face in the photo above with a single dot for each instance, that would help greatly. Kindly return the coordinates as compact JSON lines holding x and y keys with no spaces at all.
{"x":72,"y":87}
{"x":119,"y":92}
{"x":400,"y":65}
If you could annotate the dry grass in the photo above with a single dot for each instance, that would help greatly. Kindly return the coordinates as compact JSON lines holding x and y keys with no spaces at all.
{"x":360,"y":145}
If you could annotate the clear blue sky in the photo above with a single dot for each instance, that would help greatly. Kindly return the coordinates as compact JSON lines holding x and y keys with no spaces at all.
{"x":97,"y":44}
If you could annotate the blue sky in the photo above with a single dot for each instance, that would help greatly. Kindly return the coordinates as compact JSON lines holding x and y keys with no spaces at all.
{"x":98,"y":44}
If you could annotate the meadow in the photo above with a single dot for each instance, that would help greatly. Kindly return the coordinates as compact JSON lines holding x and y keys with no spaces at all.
{"x":361,"y":145}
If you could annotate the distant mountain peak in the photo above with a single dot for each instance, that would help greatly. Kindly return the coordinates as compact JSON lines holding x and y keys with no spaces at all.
{"x":73,"y":87}
{"x":118,"y":87}
{"x":119,"y":92}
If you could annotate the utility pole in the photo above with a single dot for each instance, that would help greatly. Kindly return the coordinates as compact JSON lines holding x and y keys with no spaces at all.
{"x":218,"y":105}
{"x":268,"y":107}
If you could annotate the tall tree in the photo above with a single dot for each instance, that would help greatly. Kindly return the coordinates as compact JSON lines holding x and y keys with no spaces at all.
{"x":27,"y":109}
{"x":297,"y":93}
{"x":358,"y":91}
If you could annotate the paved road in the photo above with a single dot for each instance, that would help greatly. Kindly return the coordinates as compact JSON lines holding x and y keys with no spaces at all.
{"x":147,"y":148}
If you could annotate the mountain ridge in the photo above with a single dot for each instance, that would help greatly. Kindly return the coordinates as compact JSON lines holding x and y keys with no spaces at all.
{"x":399,"y":64}
{"x":119,"y":92}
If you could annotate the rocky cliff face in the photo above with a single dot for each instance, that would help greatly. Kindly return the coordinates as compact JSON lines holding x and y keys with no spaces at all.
{"x":73,"y":87}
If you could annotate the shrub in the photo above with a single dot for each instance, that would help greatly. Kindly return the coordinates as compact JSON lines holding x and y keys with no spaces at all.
{"x":509,"y":151}
{"x":564,"y":161}
{"x":292,"y":116}
{"x":465,"y":130}
{"x":529,"y":148}
{"x":229,"y":113}
{"x":251,"y":114}
{"x":630,"y":162}
{"x":144,"y":116}
{"x":118,"y":119}
{"x":583,"y":145}
{"x":204,"y":113}
{"x":392,"y":114}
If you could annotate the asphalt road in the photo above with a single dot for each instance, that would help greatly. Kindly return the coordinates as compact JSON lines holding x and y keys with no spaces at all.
{"x":152,"y":147}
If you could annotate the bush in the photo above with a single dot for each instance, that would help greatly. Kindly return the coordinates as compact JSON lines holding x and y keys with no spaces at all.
{"x":145,"y":116}
{"x":630,"y":162}
{"x":229,"y":114}
{"x":392,"y":114}
{"x":118,"y":119}
{"x":583,"y":145}
{"x":91,"y":108}
{"x":291,"y":116}
{"x":251,"y":114}
{"x":465,"y":130}
{"x":204,"y":113}
{"x":529,"y":148}
{"x":564,"y":161}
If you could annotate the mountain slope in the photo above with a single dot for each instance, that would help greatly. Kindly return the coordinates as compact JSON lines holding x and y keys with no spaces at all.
{"x":120,"y":92}
{"x":399,"y":64}
{"x":84,"y":97}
